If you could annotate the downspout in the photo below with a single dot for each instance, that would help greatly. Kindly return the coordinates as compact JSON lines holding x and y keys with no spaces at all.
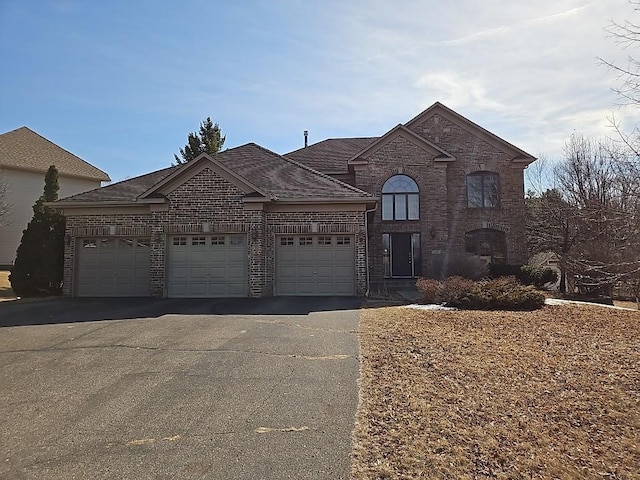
{"x":366,"y":245}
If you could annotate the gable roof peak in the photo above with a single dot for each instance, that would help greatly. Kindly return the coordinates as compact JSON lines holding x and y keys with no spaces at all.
{"x":520,"y":156}
{"x":401,"y":130}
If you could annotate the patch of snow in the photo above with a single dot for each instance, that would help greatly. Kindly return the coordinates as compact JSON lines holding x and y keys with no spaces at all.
{"x":559,"y":301}
{"x":430,"y":306}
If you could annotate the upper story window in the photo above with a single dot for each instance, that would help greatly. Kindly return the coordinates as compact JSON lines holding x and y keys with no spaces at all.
{"x":483,"y":190}
{"x":400,"y":199}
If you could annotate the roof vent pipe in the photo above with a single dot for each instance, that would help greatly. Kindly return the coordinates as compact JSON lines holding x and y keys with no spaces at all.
{"x":306,"y":138}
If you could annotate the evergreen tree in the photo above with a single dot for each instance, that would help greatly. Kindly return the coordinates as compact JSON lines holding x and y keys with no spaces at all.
{"x":38,"y":269}
{"x":208,"y":140}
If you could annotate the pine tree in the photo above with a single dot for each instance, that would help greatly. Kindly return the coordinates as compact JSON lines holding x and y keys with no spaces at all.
{"x":38,"y":270}
{"x":208,"y":140}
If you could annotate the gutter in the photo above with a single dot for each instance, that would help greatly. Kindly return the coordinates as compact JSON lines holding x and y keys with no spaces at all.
{"x":105,"y":203}
{"x":327,"y":200}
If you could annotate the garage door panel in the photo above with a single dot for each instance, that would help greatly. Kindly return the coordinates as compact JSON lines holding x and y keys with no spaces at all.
{"x":197,"y":289}
{"x":112,"y":266}
{"x":343,"y":271}
{"x":286,"y":288}
{"x":306,"y":288}
{"x":286,"y":271}
{"x":287,"y":255}
{"x":235,"y":256}
{"x":325,"y":255}
{"x":180,"y":290}
{"x":325,"y":288}
{"x":315,"y":265}
{"x":325,"y":271}
{"x":236,"y":273}
{"x":180,"y":256}
{"x":343,"y":255}
{"x":216,"y":266}
{"x":197,"y":272}
{"x":343,"y":288}
{"x":180,"y":272}
{"x":304,"y":271}
{"x":236,"y":290}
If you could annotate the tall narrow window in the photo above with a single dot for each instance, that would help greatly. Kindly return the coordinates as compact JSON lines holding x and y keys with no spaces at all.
{"x":483,"y":190}
{"x":400,"y":199}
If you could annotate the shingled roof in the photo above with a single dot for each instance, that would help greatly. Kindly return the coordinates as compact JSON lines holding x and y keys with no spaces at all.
{"x":125,"y":191}
{"x":274,"y":175}
{"x":26,"y":150}
{"x":330,"y":155}
{"x":283,"y":177}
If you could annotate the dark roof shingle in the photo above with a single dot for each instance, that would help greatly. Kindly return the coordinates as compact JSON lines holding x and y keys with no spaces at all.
{"x":124,"y":191}
{"x":283,"y":177}
{"x":273,"y":174}
{"x":330,"y":155}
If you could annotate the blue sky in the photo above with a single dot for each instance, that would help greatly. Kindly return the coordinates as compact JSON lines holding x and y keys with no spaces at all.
{"x":122,"y":83}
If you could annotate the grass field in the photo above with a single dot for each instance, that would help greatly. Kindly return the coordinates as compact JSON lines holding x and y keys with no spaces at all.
{"x":5,"y":286}
{"x":553,"y":393}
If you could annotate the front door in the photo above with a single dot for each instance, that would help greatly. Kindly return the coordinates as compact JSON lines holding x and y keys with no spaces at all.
{"x":401,"y":261}
{"x":402,"y":254}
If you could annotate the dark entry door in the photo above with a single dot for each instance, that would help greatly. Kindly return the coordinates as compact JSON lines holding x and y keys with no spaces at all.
{"x":401,"y":258}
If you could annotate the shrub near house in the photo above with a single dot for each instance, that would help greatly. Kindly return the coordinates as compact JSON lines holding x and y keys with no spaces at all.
{"x":503,"y":293}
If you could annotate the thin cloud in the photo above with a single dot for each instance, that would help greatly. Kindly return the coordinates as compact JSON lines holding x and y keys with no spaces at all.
{"x":507,"y":29}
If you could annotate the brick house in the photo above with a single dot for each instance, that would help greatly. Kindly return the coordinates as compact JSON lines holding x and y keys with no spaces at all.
{"x":335,"y":218}
{"x":448,"y":189}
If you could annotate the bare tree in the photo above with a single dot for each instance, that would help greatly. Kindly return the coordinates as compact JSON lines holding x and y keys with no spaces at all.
{"x":590,"y":218}
{"x":539,"y":176}
{"x":627,"y":35}
{"x":552,"y":226}
{"x":593,"y":182}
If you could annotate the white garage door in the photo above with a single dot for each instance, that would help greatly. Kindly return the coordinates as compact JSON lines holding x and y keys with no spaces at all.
{"x":203,"y":266}
{"x":315,"y":265}
{"x":112,"y":267}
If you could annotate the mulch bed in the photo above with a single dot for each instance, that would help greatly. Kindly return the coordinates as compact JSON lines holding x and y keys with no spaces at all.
{"x":553,"y":393}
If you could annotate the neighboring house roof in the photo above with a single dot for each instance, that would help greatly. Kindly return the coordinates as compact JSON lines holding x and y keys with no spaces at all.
{"x":331,"y":155}
{"x":24,"y":149}
{"x":271,"y":174}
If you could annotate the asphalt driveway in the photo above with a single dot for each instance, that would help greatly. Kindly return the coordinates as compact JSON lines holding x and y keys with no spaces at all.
{"x":159,"y":389}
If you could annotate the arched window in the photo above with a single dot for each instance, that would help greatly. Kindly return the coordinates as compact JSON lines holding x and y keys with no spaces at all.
{"x":488,"y":243}
{"x":400,"y":199}
{"x":483,"y":190}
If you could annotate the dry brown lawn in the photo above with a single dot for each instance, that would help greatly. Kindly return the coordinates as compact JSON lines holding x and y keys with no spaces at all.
{"x":553,"y":393}
{"x":5,"y":286}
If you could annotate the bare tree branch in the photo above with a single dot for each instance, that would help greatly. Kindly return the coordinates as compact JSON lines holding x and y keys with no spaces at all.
{"x":5,"y":207}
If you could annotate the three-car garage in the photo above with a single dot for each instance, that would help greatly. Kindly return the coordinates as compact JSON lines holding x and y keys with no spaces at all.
{"x":214,"y":265}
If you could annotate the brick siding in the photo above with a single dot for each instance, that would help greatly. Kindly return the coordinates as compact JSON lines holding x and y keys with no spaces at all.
{"x":207,"y":198}
{"x":444,"y":217}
